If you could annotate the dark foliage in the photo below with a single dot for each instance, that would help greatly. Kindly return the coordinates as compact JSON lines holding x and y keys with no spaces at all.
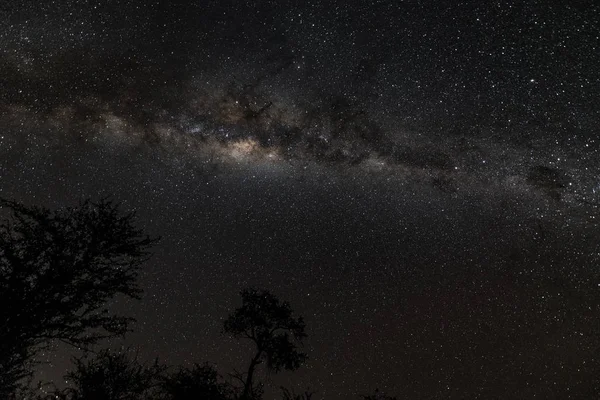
{"x":57,"y":271}
{"x":200,"y":382}
{"x":113,"y":376}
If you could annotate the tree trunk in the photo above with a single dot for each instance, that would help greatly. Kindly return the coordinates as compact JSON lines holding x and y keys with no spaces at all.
{"x":248,"y":383}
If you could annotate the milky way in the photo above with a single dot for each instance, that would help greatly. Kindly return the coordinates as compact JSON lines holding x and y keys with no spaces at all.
{"x":244,"y":124}
{"x":420,"y":179}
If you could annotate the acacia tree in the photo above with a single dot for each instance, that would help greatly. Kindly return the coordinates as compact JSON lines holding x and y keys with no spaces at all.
{"x":58,"y":269}
{"x":268,"y":323}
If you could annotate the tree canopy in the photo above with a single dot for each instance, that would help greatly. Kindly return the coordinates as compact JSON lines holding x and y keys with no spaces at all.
{"x":270,"y":325}
{"x":58,"y":269}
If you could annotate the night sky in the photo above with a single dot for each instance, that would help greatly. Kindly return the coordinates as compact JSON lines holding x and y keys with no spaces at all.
{"x":420,"y":179}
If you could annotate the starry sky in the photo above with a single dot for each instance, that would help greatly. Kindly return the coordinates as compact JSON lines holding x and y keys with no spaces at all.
{"x":420,"y":179}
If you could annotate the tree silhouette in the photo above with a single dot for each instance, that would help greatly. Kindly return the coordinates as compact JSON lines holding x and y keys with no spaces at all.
{"x":57,"y":271}
{"x":268,"y":323}
{"x":199,"y":382}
